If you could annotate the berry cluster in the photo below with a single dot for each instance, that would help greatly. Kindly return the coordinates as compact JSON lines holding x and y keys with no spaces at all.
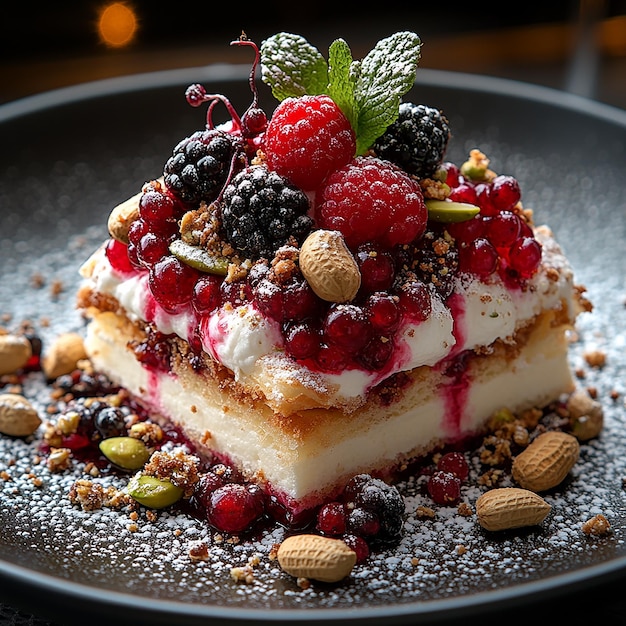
{"x":498,"y":239}
{"x":369,"y":510}
{"x":444,"y":484}
{"x":270,"y":182}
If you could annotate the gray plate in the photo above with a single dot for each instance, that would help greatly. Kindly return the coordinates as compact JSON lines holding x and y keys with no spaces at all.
{"x":69,"y":156}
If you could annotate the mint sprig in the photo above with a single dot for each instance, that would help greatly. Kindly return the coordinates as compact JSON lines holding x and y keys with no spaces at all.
{"x":368,"y":91}
{"x":292,"y":67}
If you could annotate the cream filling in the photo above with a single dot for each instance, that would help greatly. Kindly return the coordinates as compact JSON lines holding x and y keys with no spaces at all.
{"x":304,"y":470}
{"x":248,"y":344}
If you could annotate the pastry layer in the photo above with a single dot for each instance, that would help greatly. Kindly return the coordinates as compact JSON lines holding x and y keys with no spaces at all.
{"x":307,"y":456}
{"x":251,"y":346}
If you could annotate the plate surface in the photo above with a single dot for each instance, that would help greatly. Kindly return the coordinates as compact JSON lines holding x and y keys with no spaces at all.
{"x":69,"y":156}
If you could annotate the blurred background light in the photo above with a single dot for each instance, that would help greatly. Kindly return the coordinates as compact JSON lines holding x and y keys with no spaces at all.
{"x":117,"y":25}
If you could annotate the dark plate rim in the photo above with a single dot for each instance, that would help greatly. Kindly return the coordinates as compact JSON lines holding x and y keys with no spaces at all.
{"x":63,"y":589}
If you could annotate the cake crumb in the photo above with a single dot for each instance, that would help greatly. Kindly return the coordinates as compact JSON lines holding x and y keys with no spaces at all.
{"x":198,"y":551}
{"x":597,"y":526}
{"x":491,"y":478}
{"x":460,"y":550}
{"x":424,"y":512}
{"x":91,"y":496}
{"x":56,"y":289}
{"x":37,"y":280}
{"x":59,"y":459}
{"x":465,"y":509}
{"x":273,"y":553}
{"x":303,"y":583}
{"x":595,"y":358}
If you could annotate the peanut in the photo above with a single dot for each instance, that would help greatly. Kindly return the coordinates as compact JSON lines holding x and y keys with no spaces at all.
{"x":546,"y":461}
{"x":14,"y":353}
{"x":316,"y":557}
{"x":510,"y":507}
{"x":63,"y":355}
{"x":122,"y":216}
{"x":586,"y":415}
{"x":329,"y":267}
{"x":18,"y":418}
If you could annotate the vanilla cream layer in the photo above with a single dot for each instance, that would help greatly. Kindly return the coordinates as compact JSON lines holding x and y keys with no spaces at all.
{"x":251,"y":346}
{"x":306,"y":463}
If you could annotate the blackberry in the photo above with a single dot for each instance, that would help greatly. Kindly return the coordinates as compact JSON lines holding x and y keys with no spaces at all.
{"x":201,"y":164}
{"x":261,"y":211}
{"x":376,"y":496}
{"x":416,"y":141}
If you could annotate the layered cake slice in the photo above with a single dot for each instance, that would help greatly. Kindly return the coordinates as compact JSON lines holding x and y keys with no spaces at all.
{"x":319,"y":294}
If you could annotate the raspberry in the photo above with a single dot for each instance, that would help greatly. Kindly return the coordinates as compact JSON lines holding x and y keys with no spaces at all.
{"x":370,"y":200}
{"x":307,"y":139}
{"x":261,"y":211}
{"x":416,"y":141}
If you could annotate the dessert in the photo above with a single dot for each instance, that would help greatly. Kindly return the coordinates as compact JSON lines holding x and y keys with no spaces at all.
{"x":318,"y":295}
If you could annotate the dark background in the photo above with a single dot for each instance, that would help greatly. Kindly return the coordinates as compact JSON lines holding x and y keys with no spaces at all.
{"x":577,"y":46}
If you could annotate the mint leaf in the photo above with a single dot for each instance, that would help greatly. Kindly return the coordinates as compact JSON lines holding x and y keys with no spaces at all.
{"x":341,"y":81}
{"x":386,"y":74}
{"x":292,"y":67}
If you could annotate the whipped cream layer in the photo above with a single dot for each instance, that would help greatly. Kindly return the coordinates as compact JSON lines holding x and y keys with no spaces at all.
{"x":251,"y":345}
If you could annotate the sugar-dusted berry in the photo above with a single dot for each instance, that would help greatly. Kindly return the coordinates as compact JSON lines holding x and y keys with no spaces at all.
{"x":371,"y":200}
{"x":307,"y":138}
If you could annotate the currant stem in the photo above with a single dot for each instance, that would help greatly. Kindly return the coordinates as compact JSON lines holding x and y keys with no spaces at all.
{"x":214,"y":99}
{"x":244,"y":41}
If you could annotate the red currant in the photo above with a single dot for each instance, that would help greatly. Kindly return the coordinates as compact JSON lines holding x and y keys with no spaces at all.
{"x":377,"y":268}
{"x":415,"y":300}
{"x":347,"y":327}
{"x":331,"y":519}
{"x":233,"y":508}
{"x":505,"y":193}
{"x":302,"y":341}
{"x":525,"y":256}
{"x":444,"y":488}
{"x":171,"y":283}
{"x":117,"y":254}
{"x":479,"y":258}
{"x":454,"y":463}
{"x":206,"y":294}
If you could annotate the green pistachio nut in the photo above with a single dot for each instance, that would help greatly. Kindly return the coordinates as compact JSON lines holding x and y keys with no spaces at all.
{"x":199,"y":258}
{"x":153,"y":492}
{"x":126,"y":452}
{"x":448,"y":211}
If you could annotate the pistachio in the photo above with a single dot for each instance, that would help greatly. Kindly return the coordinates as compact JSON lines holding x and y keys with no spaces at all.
{"x":153,"y":492}
{"x":448,"y":211}
{"x":199,"y":258}
{"x":125,"y":452}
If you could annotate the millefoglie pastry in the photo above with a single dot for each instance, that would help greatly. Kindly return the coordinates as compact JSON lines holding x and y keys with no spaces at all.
{"x":318,"y":294}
